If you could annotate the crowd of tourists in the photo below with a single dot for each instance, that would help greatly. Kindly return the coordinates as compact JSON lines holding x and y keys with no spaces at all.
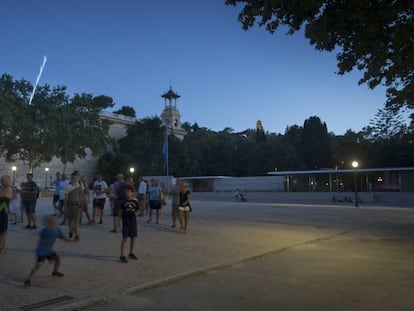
{"x":72,"y":199}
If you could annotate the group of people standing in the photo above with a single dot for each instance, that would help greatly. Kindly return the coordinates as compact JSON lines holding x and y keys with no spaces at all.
{"x":70,"y":201}
{"x":14,"y":199}
{"x":152,"y":200}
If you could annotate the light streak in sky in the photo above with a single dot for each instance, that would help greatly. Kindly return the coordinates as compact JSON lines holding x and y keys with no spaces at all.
{"x":37,"y":80}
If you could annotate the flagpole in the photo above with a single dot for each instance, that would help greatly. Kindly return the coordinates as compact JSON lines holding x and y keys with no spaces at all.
{"x":165,"y":148}
{"x":166,"y":139}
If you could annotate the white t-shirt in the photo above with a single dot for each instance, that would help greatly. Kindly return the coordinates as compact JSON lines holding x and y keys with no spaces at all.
{"x":99,"y":189}
{"x":142,"y":187}
{"x":62,"y":185}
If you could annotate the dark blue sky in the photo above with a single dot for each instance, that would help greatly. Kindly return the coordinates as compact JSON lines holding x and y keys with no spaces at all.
{"x":133,"y":50}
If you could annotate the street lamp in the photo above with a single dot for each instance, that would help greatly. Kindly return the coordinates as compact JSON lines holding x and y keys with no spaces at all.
{"x":132,"y":170}
{"x":46,"y":171}
{"x":355,"y":166}
{"x":14,"y":168}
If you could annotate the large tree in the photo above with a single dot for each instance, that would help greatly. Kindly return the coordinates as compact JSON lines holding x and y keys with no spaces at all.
{"x":144,"y":144}
{"x":53,"y":125}
{"x":28,"y":136}
{"x":373,"y":36}
{"x":126,"y":111}
{"x":386,"y":124}
{"x":80,"y":128}
{"x":12,"y":98}
{"x":315,"y":145}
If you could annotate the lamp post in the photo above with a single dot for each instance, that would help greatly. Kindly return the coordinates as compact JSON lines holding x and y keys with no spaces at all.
{"x":46,"y":171}
{"x":132,"y":170}
{"x":355,"y":166}
{"x":14,"y":168}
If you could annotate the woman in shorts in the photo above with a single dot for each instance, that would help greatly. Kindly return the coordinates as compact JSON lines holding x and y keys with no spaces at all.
{"x":184,"y":208}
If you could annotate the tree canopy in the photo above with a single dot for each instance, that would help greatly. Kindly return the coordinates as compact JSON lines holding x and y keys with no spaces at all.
{"x":204,"y":152}
{"x":126,"y":111}
{"x":54,"y":125}
{"x":373,"y":36}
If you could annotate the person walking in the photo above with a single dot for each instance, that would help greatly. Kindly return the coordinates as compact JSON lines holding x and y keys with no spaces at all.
{"x":55,"y":199}
{"x":154,"y":200}
{"x":44,"y":250}
{"x":100,"y":188}
{"x":142,"y":191}
{"x":6,"y":194}
{"x":86,"y":200}
{"x":72,"y":204}
{"x":16,"y":206}
{"x":63,"y":183}
{"x":119,"y":192}
{"x":184,"y":209}
{"x":130,"y":211}
{"x":163,"y":199}
{"x":30,"y":194}
{"x":175,"y":193}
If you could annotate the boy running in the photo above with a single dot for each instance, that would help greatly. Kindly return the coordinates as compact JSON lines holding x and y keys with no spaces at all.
{"x":44,"y":250}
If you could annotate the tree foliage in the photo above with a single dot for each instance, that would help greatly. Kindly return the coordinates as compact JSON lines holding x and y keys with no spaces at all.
{"x":373,"y":36}
{"x":386,"y":124}
{"x":53,"y":125}
{"x":204,"y":152}
{"x":80,"y":128}
{"x":126,"y":111}
{"x":315,"y":145}
{"x":144,"y":145}
{"x":102,"y":102}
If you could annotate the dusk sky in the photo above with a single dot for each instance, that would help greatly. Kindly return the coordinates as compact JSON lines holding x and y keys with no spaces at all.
{"x":133,"y":51}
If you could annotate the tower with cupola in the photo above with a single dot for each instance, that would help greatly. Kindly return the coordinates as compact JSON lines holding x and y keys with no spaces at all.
{"x":170,"y":116}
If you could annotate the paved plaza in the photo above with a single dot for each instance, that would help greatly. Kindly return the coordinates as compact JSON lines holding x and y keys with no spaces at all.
{"x":236,"y":256}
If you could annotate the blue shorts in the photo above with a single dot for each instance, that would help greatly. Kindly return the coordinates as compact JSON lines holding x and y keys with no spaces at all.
{"x":49,"y":257}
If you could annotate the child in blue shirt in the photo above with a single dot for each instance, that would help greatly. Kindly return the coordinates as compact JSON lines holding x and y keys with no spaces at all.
{"x":44,"y":250}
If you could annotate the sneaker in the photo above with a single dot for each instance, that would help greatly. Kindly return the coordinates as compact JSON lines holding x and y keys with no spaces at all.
{"x":34,"y":227}
{"x":100,"y":222}
{"x":76,"y":237}
{"x":57,"y":273}
{"x":70,"y":234}
{"x":27,"y":227}
{"x":123,"y":259}
{"x":132,"y":256}
{"x":113,"y":231}
{"x":27,"y":282}
{"x":172,"y":226}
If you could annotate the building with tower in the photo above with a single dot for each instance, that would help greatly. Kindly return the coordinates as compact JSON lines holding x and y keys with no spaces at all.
{"x":171,"y":116}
